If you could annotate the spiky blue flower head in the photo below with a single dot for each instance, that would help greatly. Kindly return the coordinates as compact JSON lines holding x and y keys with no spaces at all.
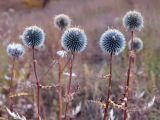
{"x":137,"y":44}
{"x":133,"y":20}
{"x":74,"y":40}
{"x":15,"y":50}
{"x":112,"y":41}
{"x":62,"y":21}
{"x":33,"y":36}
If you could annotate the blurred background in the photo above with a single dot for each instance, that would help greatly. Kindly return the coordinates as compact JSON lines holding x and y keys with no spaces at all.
{"x":94,"y":16}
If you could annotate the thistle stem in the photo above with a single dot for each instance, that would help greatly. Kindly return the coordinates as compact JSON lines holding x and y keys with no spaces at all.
{"x":11,"y":85}
{"x":38,"y":84}
{"x":59,"y":92}
{"x":128,"y":78}
{"x":60,"y":88}
{"x":69,"y":84}
{"x":109,"y":88}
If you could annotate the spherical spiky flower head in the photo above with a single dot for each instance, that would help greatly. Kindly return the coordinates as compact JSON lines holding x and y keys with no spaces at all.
{"x":112,"y":41}
{"x":33,"y":36}
{"x":137,"y":44}
{"x":133,"y":20}
{"x":62,"y":21}
{"x":74,"y":40}
{"x":15,"y":50}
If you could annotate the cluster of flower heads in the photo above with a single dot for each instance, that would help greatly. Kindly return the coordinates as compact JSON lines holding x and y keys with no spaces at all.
{"x":137,"y":44}
{"x":62,"y":21}
{"x":33,"y":36}
{"x":133,"y":20}
{"x":74,"y":40}
{"x":15,"y":50}
{"x":112,"y":41}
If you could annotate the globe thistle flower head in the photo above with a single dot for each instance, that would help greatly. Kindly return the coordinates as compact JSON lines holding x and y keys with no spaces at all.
{"x":15,"y":50}
{"x":112,"y":41}
{"x":133,"y":20}
{"x":33,"y":36}
{"x":62,"y":21}
{"x":137,"y":44}
{"x":74,"y":40}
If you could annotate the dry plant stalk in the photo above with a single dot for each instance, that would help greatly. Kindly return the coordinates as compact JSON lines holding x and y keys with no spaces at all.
{"x":109,"y":88}
{"x":11,"y":86}
{"x":131,"y":58}
{"x":69,"y":84}
{"x":38,"y":83}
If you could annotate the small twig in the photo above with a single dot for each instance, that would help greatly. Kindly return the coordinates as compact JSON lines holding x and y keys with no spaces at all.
{"x":48,"y":70}
{"x":111,"y":102}
{"x":51,"y":66}
{"x":115,"y":105}
{"x":19,"y":94}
